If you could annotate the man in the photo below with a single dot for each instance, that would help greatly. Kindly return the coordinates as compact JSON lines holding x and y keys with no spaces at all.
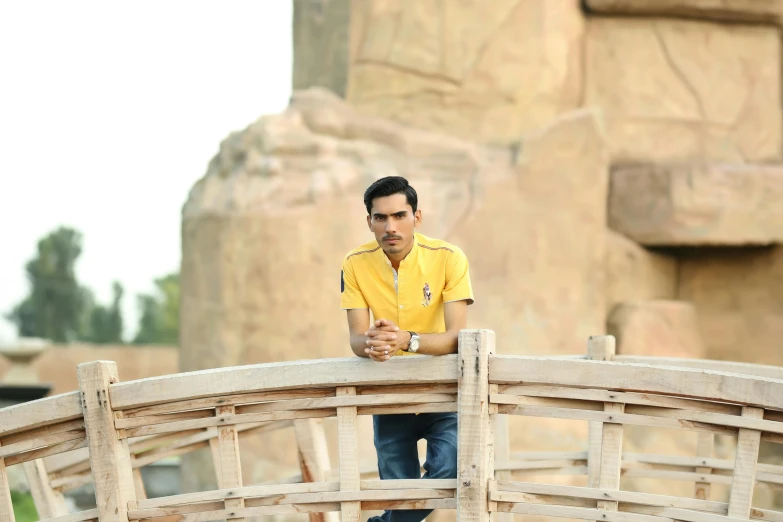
{"x":418,"y":290}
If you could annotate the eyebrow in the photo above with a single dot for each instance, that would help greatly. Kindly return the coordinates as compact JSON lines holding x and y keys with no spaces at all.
{"x":397,"y":214}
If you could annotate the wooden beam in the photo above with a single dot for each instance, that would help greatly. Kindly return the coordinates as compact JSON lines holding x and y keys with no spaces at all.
{"x":109,"y":455}
{"x":290,"y":375}
{"x":747,"y":456}
{"x":48,"y":502}
{"x":681,"y":382}
{"x":347,"y":432}
{"x":313,"y":458}
{"x":474,"y":465}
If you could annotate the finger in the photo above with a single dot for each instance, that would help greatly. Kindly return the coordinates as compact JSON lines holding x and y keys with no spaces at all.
{"x":381,"y":336}
{"x":385,"y":323}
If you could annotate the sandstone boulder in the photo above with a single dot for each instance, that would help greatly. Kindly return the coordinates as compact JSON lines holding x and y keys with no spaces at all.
{"x":730,"y":10}
{"x":698,"y":204}
{"x":459,"y":67}
{"x":635,"y":273}
{"x":660,"y":328}
{"x":679,"y":90}
{"x":737,"y":293}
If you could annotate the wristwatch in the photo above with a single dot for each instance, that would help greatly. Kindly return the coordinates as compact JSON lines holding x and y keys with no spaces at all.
{"x":413,"y":345}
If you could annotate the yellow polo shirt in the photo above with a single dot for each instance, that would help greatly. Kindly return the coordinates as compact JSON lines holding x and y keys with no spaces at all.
{"x":433,"y":273}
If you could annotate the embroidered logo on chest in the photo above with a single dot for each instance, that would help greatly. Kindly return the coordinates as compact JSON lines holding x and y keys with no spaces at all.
{"x":427,"y":295}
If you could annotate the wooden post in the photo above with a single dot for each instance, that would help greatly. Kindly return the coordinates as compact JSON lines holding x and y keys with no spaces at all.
{"x":230,"y":465}
{"x":214,"y":447}
{"x":704,"y":448}
{"x":474,"y":464}
{"x":109,"y":455}
{"x":748,"y":442}
{"x":348,"y":437}
{"x":6,"y":506}
{"x":611,"y":449}
{"x":313,"y":458}
{"x":48,"y":502}
{"x":599,"y":348}
{"x":502,"y":451}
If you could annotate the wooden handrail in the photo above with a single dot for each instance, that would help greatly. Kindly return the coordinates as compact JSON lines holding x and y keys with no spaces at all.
{"x":126,"y":425}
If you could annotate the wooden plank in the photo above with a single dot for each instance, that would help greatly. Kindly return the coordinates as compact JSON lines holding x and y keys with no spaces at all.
{"x":214,"y":448}
{"x":48,"y":503}
{"x":40,"y":442}
{"x":393,"y":484}
{"x":680,"y":382}
{"x":441,"y":407}
{"x":42,"y":431}
{"x":348,"y":450}
{"x":6,"y":507}
{"x":599,"y":348}
{"x":747,"y":455}
{"x":408,"y":388}
{"x":230,"y":464}
{"x":238,"y":399}
{"x":758,"y":370}
{"x":627,"y":398}
{"x":49,"y":410}
{"x":629,"y":497}
{"x":313,"y":456}
{"x":623,"y":418}
{"x":152,"y":420}
{"x":502,"y":454}
{"x":611,"y":457}
{"x":138,"y":484}
{"x":704,"y":447}
{"x":227,"y":420}
{"x":354,"y":400}
{"x":652,"y":412}
{"x":668,"y":475}
{"x":474,"y":467}
{"x":246,"y":492}
{"x":109,"y":455}
{"x":289,"y":375}
{"x":81,"y":516}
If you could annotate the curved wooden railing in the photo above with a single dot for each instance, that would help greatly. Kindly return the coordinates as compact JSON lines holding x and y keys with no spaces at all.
{"x":123,"y":423}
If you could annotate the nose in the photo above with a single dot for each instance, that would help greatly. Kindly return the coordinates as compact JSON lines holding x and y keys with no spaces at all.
{"x":390,"y":227}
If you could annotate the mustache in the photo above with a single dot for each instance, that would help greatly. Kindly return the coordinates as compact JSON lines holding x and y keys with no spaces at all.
{"x":391,"y":237}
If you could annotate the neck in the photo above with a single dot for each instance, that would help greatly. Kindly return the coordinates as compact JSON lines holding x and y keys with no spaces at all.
{"x":396,"y":259}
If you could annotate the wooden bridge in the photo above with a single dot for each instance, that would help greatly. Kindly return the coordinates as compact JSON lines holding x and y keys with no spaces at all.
{"x":108,"y":430}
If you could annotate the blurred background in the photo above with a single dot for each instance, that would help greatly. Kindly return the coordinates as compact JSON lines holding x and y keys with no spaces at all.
{"x":182,"y":179}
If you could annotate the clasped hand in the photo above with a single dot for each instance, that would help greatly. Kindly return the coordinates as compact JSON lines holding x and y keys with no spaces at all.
{"x":384,"y":338}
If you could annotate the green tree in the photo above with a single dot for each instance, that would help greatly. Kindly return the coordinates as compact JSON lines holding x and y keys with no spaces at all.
{"x":56,"y":303}
{"x":159,"y":313}
{"x":105,"y":322}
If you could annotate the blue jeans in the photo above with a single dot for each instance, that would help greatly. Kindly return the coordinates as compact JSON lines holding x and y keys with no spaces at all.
{"x":396,"y":437}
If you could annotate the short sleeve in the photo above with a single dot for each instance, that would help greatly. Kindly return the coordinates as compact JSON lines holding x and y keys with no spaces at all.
{"x":350,"y":295}
{"x":458,"y":287}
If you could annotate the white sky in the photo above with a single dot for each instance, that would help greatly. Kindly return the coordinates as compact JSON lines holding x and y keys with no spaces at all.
{"x":109,"y":113}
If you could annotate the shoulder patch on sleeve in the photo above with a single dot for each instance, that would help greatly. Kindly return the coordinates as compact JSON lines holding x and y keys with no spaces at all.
{"x":342,"y":281}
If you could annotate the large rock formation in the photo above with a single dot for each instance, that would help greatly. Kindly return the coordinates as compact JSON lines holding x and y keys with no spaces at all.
{"x":635,"y":273}
{"x":737,"y":293}
{"x":760,"y":11}
{"x":680,"y":205}
{"x":680,"y":90}
{"x":462,"y":68}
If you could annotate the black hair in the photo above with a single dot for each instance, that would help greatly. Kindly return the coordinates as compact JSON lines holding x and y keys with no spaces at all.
{"x":388,"y":186}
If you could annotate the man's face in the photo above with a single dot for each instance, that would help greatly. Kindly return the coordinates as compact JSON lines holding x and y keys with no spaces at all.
{"x":392,"y":221}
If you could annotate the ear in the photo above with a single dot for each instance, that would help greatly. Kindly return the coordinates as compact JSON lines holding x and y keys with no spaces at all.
{"x":417,"y":218}
{"x":369,"y":222}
